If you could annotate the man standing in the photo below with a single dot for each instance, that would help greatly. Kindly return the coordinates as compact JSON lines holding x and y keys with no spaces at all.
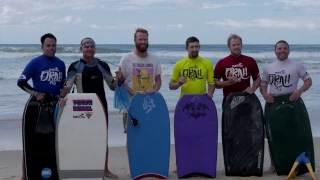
{"x":141,"y":69}
{"x":47,"y":73}
{"x":287,"y":70}
{"x":236,"y":69}
{"x":193,"y":72}
{"x":88,"y":75}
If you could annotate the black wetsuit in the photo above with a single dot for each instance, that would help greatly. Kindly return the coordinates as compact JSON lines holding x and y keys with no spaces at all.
{"x":89,"y":78}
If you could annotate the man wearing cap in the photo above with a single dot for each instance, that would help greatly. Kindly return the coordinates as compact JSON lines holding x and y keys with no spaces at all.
{"x":88,"y":75}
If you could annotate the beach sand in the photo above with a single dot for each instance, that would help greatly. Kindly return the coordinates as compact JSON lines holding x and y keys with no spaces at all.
{"x":10,"y":164}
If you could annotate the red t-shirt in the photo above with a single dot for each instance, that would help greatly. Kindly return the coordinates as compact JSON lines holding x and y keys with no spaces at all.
{"x":242,"y":67}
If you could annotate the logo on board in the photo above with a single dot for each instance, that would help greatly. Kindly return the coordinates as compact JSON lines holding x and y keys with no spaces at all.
{"x":148,"y":104}
{"x":46,"y":173}
{"x":195,"y":109}
{"x":83,"y":105}
{"x":236,"y":101}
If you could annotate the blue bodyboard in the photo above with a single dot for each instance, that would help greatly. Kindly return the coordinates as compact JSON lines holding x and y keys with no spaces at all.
{"x":149,"y":140}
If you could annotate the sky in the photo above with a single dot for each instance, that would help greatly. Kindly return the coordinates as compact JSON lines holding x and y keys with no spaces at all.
{"x":168,"y":21}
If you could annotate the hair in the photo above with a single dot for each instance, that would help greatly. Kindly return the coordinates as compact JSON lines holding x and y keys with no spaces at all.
{"x":48,"y":35}
{"x":141,"y":30}
{"x":233,"y":36}
{"x":85,"y":39}
{"x":281,"y":41}
{"x":191,"y":40}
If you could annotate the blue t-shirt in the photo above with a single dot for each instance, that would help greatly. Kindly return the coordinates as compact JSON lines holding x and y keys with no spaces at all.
{"x":47,"y":74}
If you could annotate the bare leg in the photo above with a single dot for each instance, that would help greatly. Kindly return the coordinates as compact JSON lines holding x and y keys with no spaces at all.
{"x":271,"y":169}
{"x":23,"y":177}
{"x":107,"y":173}
{"x":124,"y":119}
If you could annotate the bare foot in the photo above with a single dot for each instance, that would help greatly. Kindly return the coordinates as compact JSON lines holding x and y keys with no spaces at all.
{"x":175,"y":171}
{"x":271,"y":170}
{"x":108,"y":174}
{"x":127,"y":173}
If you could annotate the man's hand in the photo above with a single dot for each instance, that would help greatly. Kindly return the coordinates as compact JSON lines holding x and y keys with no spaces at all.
{"x":62,"y":102}
{"x":268,"y":98}
{"x":40,"y":97}
{"x":249,"y":90}
{"x":295,"y":95}
{"x":209,"y":94}
{"x":119,"y":75}
{"x":232,"y":80}
{"x":150,"y":91}
{"x":182,"y":80}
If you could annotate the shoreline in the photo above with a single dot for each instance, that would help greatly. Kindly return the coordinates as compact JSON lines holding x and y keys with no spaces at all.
{"x":10,"y":164}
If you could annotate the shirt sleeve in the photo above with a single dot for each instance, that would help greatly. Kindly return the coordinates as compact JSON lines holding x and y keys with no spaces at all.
{"x":28,"y":72}
{"x":303,"y":74}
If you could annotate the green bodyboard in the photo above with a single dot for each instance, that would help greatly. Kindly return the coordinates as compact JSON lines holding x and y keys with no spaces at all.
{"x":289,"y":133}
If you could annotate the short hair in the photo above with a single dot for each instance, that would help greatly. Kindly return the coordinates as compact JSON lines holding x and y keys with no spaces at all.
{"x":85,"y":39}
{"x":141,"y":30}
{"x":281,"y":41}
{"x":233,"y":36}
{"x":191,"y":40}
{"x":48,"y":35}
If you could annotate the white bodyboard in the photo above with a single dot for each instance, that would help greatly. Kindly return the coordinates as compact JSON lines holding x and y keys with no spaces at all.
{"x":81,"y":137}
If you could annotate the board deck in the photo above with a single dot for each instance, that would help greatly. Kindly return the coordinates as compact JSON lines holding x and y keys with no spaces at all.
{"x":243,"y":135}
{"x":39,"y":141}
{"x":149,"y":140}
{"x":196,"y":136}
{"x":81,"y":137}
{"x":289,"y":133}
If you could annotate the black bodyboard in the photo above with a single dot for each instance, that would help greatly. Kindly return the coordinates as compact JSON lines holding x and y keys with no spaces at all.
{"x":39,"y":141}
{"x":243,"y":135}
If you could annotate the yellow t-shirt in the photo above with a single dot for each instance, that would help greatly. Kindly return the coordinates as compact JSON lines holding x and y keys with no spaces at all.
{"x":196,"y":71}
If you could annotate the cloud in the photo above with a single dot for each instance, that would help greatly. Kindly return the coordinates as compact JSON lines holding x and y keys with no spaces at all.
{"x":175,"y":26}
{"x":65,"y":20}
{"x":181,"y":3}
{"x":300,"y":3}
{"x":119,"y":26}
{"x":310,"y":6}
{"x":266,"y":23}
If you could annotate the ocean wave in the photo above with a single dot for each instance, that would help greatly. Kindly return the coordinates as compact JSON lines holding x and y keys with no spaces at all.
{"x":68,"y":52}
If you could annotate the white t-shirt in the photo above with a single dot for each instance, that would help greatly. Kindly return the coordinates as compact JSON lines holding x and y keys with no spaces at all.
{"x":283,"y":76}
{"x":139,"y":73}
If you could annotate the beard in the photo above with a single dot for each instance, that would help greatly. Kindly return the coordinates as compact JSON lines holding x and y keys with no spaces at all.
{"x":236,"y":53}
{"x":142,"y":47}
{"x":194,"y":54}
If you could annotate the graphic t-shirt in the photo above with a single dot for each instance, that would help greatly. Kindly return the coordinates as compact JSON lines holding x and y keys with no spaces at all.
{"x":196,"y":71}
{"x":283,"y":76}
{"x":47,"y":74}
{"x":139,"y":73}
{"x":241,"y":67}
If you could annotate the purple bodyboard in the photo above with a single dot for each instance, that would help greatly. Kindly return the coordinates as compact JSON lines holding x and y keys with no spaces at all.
{"x":196,"y":136}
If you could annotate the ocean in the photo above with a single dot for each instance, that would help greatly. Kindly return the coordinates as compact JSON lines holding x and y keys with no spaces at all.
{"x":13,"y":59}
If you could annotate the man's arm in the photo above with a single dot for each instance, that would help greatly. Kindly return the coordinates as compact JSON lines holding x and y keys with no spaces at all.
{"x":27,"y":73}
{"x":158,"y":83}
{"x":256,"y":84}
{"x":173,"y":85}
{"x":222,"y":84}
{"x":306,"y":85}
{"x":70,"y":79}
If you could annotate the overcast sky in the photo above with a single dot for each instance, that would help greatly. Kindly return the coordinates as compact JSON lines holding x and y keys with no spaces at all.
{"x":168,"y":21}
